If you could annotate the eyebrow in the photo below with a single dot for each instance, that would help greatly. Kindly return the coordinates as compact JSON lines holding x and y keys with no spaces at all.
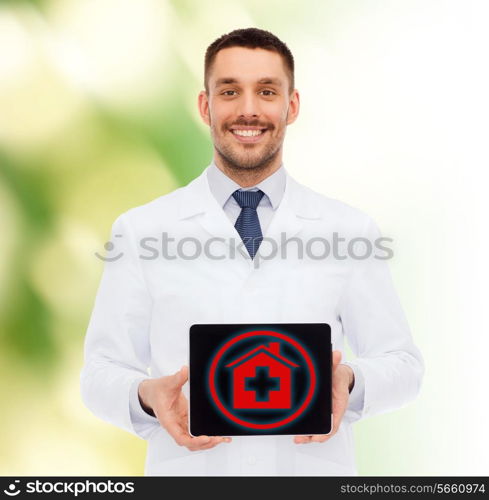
{"x":266,"y":80}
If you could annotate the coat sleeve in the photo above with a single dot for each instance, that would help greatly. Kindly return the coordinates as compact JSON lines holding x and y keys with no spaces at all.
{"x":117,"y":348}
{"x":388,"y":363}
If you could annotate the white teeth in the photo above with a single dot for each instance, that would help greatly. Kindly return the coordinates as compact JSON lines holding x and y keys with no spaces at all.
{"x":247,"y":133}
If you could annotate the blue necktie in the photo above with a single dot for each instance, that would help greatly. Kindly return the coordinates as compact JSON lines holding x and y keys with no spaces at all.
{"x":247,"y":224}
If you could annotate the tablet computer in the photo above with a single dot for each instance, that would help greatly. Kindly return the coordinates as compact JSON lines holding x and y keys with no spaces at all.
{"x":260,"y":379}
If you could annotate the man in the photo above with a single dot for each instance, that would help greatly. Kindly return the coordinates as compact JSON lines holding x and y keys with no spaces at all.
{"x":249,"y":216}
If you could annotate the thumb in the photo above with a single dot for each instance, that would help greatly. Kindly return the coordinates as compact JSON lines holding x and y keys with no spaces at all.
{"x":336,"y":359}
{"x":179,"y":378}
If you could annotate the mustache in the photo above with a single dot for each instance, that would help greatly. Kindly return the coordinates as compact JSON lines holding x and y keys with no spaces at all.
{"x":250,"y":123}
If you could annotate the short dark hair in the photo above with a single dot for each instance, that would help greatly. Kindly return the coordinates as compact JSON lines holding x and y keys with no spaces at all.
{"x":252,"y":38}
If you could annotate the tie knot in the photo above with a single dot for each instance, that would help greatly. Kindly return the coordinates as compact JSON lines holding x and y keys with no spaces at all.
{"x":248,"y":199}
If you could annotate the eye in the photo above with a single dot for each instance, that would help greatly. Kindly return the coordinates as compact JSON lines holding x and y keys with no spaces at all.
{"x":229,"y":93}
{"x":267,"y":92}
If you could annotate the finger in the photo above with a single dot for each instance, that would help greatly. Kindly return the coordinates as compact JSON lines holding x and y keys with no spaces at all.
{"x":336,"y":359}
{"x":194,"y":443}
{"x":179,"y":433}
{"x":176,"y":381}
{"x":320,"y":438}
{"x":302,"y":439}
{"x":198,"y":444}
{"x":336,"y":426}
{"x":202,"y":447}
{"x":215,"y":440}
{"x":339,"y":408}
{"x":184,"y":373}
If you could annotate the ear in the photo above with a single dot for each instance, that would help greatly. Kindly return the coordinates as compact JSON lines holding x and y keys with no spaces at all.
{"x":204,"y":107}
{"x":294,"y":105}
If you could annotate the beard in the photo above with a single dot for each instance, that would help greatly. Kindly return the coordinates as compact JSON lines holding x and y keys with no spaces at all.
{"x":251,"y":159}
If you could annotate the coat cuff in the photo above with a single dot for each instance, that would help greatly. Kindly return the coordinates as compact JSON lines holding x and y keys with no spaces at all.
{"x":356,"y":401}
{"x":143,"y":423}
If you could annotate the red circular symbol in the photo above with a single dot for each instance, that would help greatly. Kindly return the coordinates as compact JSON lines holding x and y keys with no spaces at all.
{"x":262,"y":333}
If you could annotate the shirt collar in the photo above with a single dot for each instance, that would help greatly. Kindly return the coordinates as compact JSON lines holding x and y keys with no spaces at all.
{"x":222,"y":186}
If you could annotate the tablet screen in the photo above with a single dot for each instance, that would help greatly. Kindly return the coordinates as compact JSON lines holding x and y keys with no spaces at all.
{"x":260,"y":379}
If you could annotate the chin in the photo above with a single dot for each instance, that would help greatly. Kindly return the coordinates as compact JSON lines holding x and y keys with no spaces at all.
{"x":235,"y":160}
{"x":247,"y":164}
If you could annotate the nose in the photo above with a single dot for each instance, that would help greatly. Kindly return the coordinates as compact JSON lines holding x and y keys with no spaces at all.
{"x":248,"y":106}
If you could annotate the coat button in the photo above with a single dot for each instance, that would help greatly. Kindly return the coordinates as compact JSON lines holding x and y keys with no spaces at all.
{"x":251,"y":460}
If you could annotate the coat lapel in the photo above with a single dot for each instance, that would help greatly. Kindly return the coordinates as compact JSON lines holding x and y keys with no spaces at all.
{"x":199,"y":204}
{"x":297,"y":205}
{"x":289,"y":217}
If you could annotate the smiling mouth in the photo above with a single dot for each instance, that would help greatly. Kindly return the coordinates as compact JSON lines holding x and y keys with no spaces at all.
{"x":248,"y":135}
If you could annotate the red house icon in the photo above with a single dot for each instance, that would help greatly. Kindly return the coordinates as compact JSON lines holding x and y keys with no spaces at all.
{"x":262,"y":379}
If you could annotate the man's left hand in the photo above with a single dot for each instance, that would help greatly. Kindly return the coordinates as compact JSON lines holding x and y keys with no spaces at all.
{"x":343,"y":378}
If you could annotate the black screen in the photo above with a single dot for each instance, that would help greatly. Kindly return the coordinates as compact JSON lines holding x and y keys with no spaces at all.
{"x":260,"y":379}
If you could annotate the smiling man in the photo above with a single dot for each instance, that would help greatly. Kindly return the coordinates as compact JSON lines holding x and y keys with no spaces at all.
{"x":248,"y":102}
{"x":135,"y":373}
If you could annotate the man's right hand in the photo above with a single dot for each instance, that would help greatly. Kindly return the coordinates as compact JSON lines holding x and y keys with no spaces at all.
{"x":165,"y":398}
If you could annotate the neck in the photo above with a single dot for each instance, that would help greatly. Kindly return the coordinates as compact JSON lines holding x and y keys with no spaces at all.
{"x":248,"y":177}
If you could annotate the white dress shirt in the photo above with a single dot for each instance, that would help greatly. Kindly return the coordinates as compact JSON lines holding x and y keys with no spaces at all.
{"x":222,"y":187}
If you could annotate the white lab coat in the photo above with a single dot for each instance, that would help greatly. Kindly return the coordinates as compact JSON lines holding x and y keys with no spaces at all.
{"x":144,"y":308}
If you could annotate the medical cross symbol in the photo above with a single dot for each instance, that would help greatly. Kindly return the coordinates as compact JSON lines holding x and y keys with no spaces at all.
{"x":262,"y":383}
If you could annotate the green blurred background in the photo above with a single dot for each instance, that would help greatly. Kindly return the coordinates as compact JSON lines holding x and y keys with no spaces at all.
{"x":98,"y":114}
